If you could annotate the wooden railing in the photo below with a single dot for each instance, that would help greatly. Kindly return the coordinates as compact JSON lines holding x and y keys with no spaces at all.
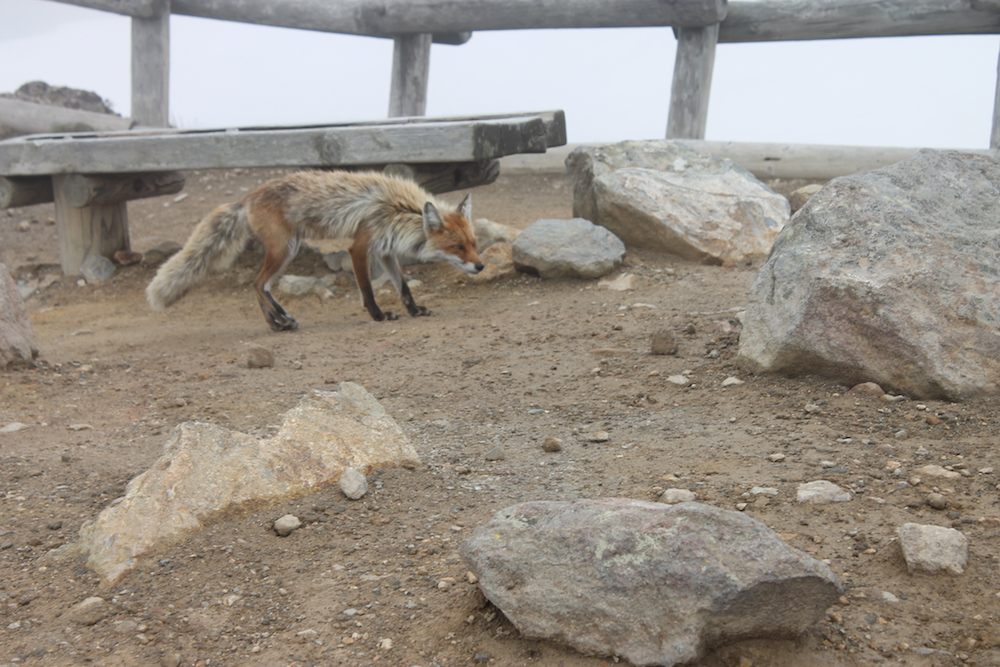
{"x":414,"y":24}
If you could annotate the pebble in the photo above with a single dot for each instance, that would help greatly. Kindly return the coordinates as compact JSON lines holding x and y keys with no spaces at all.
{"x":868,"y":388}
{"x":97,"y":269}
{"x":663,"y":342}
{"x":937,"y":501}
{"x":259,"y":357}
{"x":934,"y":470}
{"x":599,"y":436}
{"x":680,"y":380}
{"x":732,"y":381}
{"x":777,"y":457}
{"x":495,"y":454}
{"x":821,"y":492}
{"x":13,"y":427}
{"x":285,"y":525}
{"x":674,"y":496}
{"x":89,"y":611}
{"x":552,"y":444}
{"x":763,"y":491}
{"x":353,"y":484}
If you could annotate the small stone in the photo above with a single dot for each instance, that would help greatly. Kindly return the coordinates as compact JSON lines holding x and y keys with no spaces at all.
{"x":868,"y":388}
{"x":889,"y":597}
{"x":88,"y":612}
{"x":385,"y":644}
{"x":80,"y":427}
{"x":599,"y":436}
{"x":663,"y":342}
{"x":732,"y":381}
{"x":934,"y":470}
{"x":821,"y":492}
{"x":285,"y":525}
{"x":937,"y":501}
{"x":13,"y":427}
{"x":777,"y":457}
{"x":763,"y":491}
{"x":812,"y":409}
{"x":933,"y":548}
{"x":97,"y":269}
{"x":259,"y":357}
{"x":901,"y":434}
{"x":681,"y":380}
{"x":127,"y":257}
{"x":353,"y":484}
{"x":552,"y":445}
{"x":495,"y":454}
{"x":674,"y":496}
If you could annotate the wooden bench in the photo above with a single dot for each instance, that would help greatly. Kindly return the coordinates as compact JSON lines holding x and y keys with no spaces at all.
{"x":92,"y":175}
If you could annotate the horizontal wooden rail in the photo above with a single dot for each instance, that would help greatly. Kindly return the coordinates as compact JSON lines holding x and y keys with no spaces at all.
{"x":791,"y":20}
{"x":400,"y":17}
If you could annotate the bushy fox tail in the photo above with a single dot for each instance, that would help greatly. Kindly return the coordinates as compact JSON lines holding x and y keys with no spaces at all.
{"x":214,"y":245}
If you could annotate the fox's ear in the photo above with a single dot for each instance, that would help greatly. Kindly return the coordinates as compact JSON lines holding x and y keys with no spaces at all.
{"x":465,"y":208}
{"x":432,"y":219}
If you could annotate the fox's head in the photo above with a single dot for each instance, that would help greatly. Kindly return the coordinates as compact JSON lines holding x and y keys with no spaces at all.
{"x":451,"y":238}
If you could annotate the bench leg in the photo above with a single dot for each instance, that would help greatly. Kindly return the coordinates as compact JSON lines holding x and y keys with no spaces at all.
{"x":100,"y":229}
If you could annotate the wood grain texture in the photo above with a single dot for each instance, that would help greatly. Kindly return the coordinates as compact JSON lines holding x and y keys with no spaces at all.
{"x":787,"y":20}
{"x":87,"y":230}
{"x":409,"y":140}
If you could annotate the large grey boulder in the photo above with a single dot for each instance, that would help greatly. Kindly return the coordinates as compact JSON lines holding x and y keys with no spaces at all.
{"x":664,"y":196}
{"x":17,"y":340}
{"x":656,"y":584}
{"x":567,"y":249}
{"x":207,"y":470}
{"x":889,"y":276}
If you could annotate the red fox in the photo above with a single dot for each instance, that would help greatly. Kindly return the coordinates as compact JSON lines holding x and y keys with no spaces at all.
{"x":388,"y":218}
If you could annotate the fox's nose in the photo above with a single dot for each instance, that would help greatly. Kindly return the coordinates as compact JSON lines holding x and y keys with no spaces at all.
{"x":479,"y":267}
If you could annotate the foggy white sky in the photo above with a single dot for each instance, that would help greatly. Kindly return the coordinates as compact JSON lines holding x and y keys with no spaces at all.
{"x":613,"y":84}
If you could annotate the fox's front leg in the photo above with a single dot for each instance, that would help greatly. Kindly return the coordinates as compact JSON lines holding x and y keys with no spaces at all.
{"x":362,"y":274}
{"x":391,"y":266}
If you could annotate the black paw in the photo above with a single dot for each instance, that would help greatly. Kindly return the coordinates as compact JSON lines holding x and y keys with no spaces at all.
{"x":284,"y":324}
{"x":419,"y":311}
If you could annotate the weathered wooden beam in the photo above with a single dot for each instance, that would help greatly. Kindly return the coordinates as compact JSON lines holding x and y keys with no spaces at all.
{"x":399,"y":17}
{"x":789,"y":20}
{"x":151,"y":67}
{"x":88,"y":230}
{"x":441,"y":178}
{"x":98,"y":190}
{"x":31,"y":117}
{"x":25,"y":191}
{"x":812,"y":161}
{"x":689,"y":92}
{"x":141,"y":8}
{"x":411,"y":64}
{"x":406,"y":140}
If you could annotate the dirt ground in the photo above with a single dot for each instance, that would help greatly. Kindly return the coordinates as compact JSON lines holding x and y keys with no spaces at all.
{"x":505,"y":364}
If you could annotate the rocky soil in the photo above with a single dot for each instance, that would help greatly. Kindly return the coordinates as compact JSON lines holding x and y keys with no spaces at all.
{"x":479,"y":387}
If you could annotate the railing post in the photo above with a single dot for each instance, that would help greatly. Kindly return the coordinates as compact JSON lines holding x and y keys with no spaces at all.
{"x":151,"y":67}
{"x":692,"y":82}
{"x":995,"y":134}
{"x":411,"y":63}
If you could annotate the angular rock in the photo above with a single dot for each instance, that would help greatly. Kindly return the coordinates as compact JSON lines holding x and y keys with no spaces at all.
{"x":664,"y":196}
{"x":353,"y":484}
{"x":821,"y":492}
{"x":259,"y":357}
{"x":567,"y":249}
{"x":88,"y":612}
{"x":933,"y":548}
{"x":207,"y":470}
{"x":656,"y":584}
{"x":17,"y":340}
{"x":888,"y":276}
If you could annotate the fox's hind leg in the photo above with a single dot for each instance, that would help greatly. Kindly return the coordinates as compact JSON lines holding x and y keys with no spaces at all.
{"x":276,"y":258}
{"x":391,"y":265}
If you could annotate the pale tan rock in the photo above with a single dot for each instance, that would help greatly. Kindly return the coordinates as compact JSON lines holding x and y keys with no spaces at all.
{"x":207,"y":470}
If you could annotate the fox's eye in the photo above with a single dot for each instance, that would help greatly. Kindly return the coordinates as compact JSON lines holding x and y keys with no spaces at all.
{"x":458,"y":247}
